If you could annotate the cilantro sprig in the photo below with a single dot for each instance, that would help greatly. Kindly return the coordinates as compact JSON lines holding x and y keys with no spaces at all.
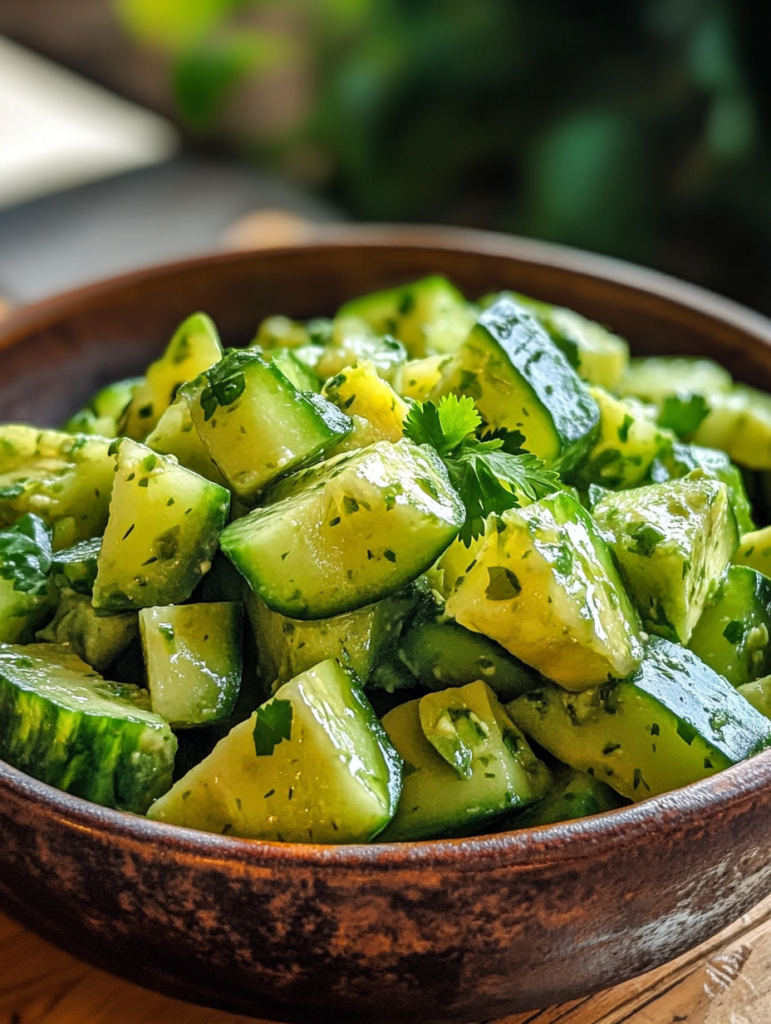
{"x":26,"y":557}
{"x":489,"y":474}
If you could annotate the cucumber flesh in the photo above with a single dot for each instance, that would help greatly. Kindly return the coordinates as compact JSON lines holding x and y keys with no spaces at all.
{"x":61,"y":723}
{"x":193,"y":660}
{"x":104,"y":411}
{"x":97,"y":639}
{"x":162,"y":533}
{"x":75,"y":568}
{"x":312,"y":765}
{"x":574,"y":795}
{"x":673,"y":722}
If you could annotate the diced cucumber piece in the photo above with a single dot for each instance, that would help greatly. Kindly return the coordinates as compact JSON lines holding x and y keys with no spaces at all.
{"x":378,"y":413}
{"x":352,"y":340}
{"x":66,"y":479}
{"x":349,"y":532}
{"x":544,"y":586}
{"x":294,"y":369}
{"x":194,"y":347}
{"x":625,"y":448}
{"x":501,"y":771}
{"x":312,"y":765}
{"x":358,"y":639}
{"x":673,"y":541}
{"x":27,"y":594}
{"x":598,"y":356}
{"x":175,"y":434}
{"x":443,"y":654}
{"x":104,"y":411}
{"x":657,"y":378}
{"x":428,"y":316}
{"x":521,"y":381}
{"x":758,"y":693}
{"x":673,"y":722}
{"x":97,"y":639}
{"x":755,"y":551}
{"x":574,"y":795}
{"x":739,"y":423}
{"x":455,"y":562}
{"x":257,"y":425}
{"x":75,"y":568}
{"x":162,"y":532}
{"x":61,"y":723}
{"x":281,"y":332}
{"x":421,"y":376}
{"x":732,"y":635}
{"x":193,"y":659}
{"x":681,"y":459}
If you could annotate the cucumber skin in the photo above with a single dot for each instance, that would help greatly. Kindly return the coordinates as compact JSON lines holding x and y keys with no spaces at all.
{"x":124,"y":762}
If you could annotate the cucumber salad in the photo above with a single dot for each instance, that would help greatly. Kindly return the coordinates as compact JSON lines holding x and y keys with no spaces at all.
{"x":431,"y":568}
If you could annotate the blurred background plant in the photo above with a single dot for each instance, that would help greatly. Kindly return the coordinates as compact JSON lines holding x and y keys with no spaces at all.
{"x":639,"y":129}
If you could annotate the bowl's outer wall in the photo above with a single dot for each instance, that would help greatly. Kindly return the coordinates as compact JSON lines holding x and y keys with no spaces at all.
{"x":440,"y":931}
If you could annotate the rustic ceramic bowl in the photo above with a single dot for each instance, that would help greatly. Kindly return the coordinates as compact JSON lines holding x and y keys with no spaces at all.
{"x":442,"y":931}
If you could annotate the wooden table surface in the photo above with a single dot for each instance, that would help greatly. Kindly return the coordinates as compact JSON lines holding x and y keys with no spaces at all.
{"x":725,"y":981}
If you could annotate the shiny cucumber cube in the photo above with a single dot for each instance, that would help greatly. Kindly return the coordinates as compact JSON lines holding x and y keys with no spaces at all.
{"x":312,"y":765}
{"x":104,"y":411}
{"x":64,"y":479}
{"x":175,"y":434}
{"x":574,"y":795}
{"x":162,"y":533}
{"x":255,"y":423}
{"x":734,"y":631}
{"x":194,"y":347}
{"x":673,"y":542}
{"x":544,"y":586}
{"x":193,"y":660}
{"x":348,"y":532}
{"x":671,"y":723}
{"x":465,"y":763}
{"x":755,"y":550}
{"x":61,"y":723}
{"x":521,"y":382}
{"x":681,"y":459}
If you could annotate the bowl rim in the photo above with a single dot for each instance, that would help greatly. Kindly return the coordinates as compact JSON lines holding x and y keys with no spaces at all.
{"x":671,"y":813}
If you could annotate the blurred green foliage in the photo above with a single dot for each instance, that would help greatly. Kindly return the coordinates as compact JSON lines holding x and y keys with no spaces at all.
{"x":639,"y":129}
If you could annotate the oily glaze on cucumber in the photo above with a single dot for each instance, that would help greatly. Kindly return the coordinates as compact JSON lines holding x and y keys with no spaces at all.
{"x":175,"y":434}
{"x":500,"y":771}
{"x":428,"y":316}
{"x":348,"y":532}
{"x":732,"y":635}
{"x":358,"y":639}
{"x":66,"y":479}
{"x":257,"y":425}
{"x":104,"y":411}
{"x":575,"y":794}
{"x":192,"y":656}
{"x":61,"y":723}
{"x":673,"y":722}
{"x":681,"y":459}
{"x":162,"y":532}
{"x":378,"y":413}
{"x":521,"y":381}
{"x":97,"y":639}
{"x":544,"y":586}
{"x":672,"y":541}
{"x":353,"y":339}
{"x":311,"y":765}
{"x":739,"y":423}
{"x":444,"y":654}
{"x":625,"y":448}
{"x":755,"y":551}
{"x":194,"y":348}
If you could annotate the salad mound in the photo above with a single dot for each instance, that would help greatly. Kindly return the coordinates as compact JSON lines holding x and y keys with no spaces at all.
{"x":431,"y":568}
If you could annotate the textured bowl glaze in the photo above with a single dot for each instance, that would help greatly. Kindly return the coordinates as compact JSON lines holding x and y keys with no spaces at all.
{"x":436,"y":931}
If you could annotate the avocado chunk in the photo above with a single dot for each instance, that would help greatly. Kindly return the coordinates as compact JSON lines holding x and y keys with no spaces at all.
{"x":312,"y":765}
{"x":544,"y":586}
{"x":673,"y":541}
{"x":671,"y":723}
{"x":465,"y":763}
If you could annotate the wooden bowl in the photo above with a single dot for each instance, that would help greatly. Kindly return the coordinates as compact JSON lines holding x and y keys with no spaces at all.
{"x":441,"y":931}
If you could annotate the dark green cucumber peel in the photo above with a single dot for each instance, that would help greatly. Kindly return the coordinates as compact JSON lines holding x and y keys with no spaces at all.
{"x":65,"y":725}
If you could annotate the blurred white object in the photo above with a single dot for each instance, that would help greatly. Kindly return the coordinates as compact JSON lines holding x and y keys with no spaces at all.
{"x":58,"y":130}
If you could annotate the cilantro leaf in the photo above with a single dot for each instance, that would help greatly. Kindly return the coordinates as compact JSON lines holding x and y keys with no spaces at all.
{"x":489,"y":475}
{"x":26,"y":557}
{"x":272,"y":725}
{"x":445,"y":426}
{"x":683,"y":413}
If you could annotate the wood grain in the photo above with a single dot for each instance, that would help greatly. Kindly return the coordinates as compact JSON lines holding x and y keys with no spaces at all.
{"x":728,"y":979}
